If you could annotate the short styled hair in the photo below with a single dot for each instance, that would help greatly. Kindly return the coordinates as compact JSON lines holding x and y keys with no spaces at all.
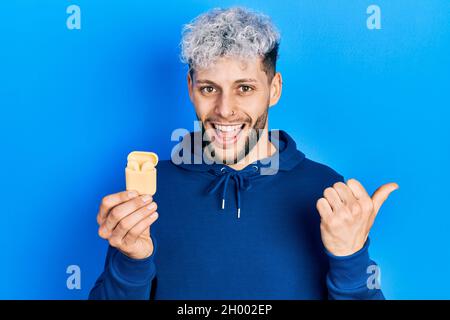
{"x":232,"y":32}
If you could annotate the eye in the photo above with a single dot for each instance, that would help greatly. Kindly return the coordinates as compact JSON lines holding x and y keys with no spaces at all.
{"x":245,"y":89}
{"x":207,"y":89}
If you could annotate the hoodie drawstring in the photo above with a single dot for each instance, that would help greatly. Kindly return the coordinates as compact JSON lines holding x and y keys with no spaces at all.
{"x":241,"y":182}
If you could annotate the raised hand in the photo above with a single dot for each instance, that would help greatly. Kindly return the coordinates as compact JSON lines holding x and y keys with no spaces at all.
{"x":124,"y":220}
{"x":347,"y":214}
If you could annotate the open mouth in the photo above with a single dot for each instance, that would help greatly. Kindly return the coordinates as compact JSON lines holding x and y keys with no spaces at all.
{"x":227,"y":134}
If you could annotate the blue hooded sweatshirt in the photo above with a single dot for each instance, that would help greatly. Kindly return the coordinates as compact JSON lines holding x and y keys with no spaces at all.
{"x":239,"y":234}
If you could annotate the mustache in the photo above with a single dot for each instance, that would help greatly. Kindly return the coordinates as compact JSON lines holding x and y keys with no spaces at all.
{"x":242,"y":117}
{"x":222,"y":120}
{"x":218,"y":120}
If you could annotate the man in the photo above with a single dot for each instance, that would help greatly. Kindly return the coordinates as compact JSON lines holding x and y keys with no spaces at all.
{"x":293,"y":230}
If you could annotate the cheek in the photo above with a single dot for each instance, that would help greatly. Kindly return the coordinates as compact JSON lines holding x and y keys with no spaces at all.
{"x":203,"y":106}
{"x":254,"y":105}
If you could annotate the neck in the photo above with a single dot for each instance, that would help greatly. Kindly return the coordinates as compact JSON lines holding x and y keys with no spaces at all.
{"x":263,"y":149}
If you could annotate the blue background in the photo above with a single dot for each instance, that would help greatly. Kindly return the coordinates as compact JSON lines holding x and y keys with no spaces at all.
{"x":372,"y":104}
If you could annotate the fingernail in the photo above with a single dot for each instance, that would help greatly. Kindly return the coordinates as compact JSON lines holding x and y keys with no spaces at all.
{"x":154,"y":214}
{"x":132,"y":194}
{"x":103,"y":230}
{"x":151,"y":206}
{"x":146,"y":198}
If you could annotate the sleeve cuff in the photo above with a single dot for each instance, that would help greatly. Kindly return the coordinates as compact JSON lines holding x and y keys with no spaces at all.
{"x":348,"y":272}
{"x":135,"y":271}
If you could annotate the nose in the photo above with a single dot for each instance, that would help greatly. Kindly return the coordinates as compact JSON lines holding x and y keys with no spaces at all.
{"x":224,"y":106}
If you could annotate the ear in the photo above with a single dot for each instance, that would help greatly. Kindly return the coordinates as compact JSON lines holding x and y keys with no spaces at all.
{"x":190,"y":83}
{"x":275,"y":89}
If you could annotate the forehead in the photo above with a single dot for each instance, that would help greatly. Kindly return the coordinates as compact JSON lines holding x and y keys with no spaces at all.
{"x":229,"y":69}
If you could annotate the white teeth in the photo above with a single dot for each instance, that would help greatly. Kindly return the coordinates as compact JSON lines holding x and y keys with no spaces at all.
{"x":227,"y":128}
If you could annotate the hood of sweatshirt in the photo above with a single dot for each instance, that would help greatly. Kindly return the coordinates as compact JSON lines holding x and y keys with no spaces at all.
{"x":189,"y":156}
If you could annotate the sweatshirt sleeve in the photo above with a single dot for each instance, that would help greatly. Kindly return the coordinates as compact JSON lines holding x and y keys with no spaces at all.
{"x":353,"y":276}
{"x":124,"y":278}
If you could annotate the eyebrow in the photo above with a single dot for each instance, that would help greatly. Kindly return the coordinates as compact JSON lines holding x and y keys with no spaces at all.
{"x":237,"y":81}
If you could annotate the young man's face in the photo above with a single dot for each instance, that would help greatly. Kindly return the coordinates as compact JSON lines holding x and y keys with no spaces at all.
{"x":231,"y":99}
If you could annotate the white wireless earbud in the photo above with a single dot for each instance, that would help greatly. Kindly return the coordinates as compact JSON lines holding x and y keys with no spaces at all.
{"x":133,"y":165}
{"x":147,"y":166}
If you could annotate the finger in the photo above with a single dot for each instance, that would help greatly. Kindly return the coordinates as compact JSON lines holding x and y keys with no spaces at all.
{"x":121,"y":211}
{"x":324,"y":208}
{"x":359,"y":192}
{"x":113,"y":200}
{"x":381,"y":194}
{"x":333,"y":198}
{"x":141,"y":227}
{"x":344,"y":192}
{"x":115,"y":242}
{"x":131,"y":220}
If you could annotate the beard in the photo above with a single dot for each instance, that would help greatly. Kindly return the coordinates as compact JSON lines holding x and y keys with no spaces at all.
{"x":251,"y":140}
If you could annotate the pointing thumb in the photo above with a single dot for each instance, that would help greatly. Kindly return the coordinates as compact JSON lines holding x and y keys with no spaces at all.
{"x":381,"y":194}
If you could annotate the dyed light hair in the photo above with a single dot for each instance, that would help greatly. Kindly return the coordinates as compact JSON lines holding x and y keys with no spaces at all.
{"x":232,"y":32}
